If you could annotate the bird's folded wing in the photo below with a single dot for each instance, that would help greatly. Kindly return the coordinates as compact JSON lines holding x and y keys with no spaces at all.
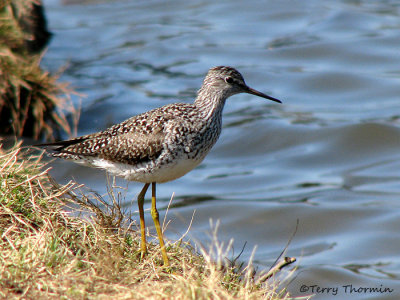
{"x":132,"y":147}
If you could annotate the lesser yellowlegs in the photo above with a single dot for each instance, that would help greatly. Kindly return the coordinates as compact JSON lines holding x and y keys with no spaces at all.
{"x":162,"y":144}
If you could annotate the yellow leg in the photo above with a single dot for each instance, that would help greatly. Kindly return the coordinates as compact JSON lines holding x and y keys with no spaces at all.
{"x":143,"y":248}
{"x":155,"y":216}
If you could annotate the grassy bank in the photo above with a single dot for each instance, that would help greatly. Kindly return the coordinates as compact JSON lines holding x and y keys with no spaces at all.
{"x":32,"y":101}
{"x":48,"y":251}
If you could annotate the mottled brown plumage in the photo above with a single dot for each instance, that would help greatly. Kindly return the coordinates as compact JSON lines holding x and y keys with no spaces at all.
{"x":162,"y":144}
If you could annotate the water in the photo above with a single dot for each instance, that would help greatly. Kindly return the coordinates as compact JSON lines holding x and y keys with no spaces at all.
{"x":328,"y":156}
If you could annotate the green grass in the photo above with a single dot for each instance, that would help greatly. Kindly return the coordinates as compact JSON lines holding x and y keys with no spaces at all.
{"x":58,"y":244}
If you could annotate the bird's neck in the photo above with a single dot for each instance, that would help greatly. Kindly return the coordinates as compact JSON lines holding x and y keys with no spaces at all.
{"x":210,"y":103}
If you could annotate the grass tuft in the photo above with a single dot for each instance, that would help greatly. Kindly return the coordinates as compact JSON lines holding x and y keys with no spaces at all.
{"x":56,"y":243}
{"x":30,"y":101}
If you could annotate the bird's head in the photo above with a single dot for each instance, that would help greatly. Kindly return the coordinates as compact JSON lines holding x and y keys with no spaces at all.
{"x":228,"y":81}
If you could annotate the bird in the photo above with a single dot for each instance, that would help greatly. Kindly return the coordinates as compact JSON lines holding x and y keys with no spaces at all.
{"x":159,"y":145}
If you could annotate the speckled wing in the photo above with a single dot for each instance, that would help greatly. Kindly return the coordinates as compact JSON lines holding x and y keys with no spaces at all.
{"x":137,"y":140}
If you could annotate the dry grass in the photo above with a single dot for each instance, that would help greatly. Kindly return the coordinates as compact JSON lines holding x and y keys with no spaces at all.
{"x":30,"y":104}
{"x":48,"y":252}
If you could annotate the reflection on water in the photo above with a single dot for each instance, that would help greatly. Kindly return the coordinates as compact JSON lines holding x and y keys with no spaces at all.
{"x":328,"y":156}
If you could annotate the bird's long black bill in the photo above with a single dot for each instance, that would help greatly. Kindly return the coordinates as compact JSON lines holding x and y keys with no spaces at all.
{"x":259,"y":94}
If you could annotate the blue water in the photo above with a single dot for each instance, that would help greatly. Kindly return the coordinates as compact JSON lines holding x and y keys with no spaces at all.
{"x":328,"y":156}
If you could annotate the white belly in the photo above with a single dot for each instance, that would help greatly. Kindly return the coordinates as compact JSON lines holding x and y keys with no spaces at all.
{"x":147,"y":173}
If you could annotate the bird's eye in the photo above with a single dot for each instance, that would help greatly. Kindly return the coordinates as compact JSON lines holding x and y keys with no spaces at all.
{"x":228,"y":79}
